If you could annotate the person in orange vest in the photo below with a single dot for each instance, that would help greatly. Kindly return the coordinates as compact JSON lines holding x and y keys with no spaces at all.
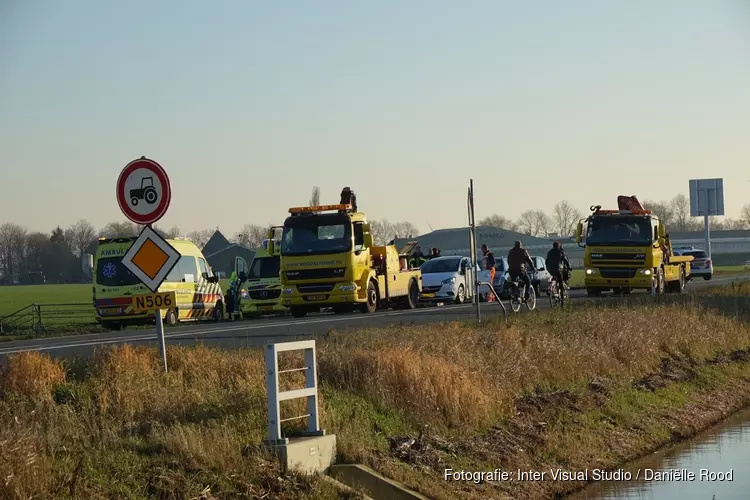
{"x":489,"y":264}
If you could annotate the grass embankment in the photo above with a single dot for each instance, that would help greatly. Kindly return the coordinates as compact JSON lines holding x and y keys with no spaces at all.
{"x":588,"y":388}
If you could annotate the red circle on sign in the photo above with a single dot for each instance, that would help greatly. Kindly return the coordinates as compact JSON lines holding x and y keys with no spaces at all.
{"x":166,"y":197}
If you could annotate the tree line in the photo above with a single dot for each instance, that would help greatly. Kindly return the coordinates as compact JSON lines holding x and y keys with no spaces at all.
{"x":58,"y":254}
{"x":564,"y":218}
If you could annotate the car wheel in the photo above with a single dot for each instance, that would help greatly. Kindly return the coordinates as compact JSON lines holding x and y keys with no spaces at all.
{"x":460,"y":295}
{"x":708,"y":277}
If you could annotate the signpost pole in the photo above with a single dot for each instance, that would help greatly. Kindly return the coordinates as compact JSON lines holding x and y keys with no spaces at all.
{"x":473,"y":247}
{"x":707,"y":223}
{"x":160,"y":335}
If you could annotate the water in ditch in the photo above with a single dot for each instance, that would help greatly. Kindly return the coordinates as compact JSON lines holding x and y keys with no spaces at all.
{"x":715,"y":465}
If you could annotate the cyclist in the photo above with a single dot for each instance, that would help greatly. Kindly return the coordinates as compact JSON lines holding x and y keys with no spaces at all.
{"x":558,"y":264}
{"x":518,"y":257}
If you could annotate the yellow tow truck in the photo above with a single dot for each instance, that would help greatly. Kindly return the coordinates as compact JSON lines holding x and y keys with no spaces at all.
{"x":628,"y":250}
{"x":329,"y":260}
{"x":261,"y":293}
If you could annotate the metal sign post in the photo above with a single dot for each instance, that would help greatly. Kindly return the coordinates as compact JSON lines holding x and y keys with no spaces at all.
{"x":144,"y":195}
{"x":473,"y":247}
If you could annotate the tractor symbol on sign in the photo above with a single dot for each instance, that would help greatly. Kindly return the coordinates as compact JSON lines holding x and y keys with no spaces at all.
{"x":146,"y":192}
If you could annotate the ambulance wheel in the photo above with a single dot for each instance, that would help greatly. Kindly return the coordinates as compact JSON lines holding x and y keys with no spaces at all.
{"x":219,"y":312}
{"x":298,"y":312}
{"x":170,"y":319}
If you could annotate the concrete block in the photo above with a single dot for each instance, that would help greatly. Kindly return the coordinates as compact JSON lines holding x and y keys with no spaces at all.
{"x":369,"y":482}
{"x":313,"y":454}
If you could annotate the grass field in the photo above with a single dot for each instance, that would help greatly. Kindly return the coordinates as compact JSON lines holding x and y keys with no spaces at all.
{"x":541,"y":392}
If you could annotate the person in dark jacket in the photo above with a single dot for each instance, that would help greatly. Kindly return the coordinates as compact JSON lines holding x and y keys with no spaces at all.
{"x":558,"y":264}
{"x":518,"y":257}
{"x":417,"y":258}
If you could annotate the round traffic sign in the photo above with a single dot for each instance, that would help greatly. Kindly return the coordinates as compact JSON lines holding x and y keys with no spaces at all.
{"x":143,"y":191}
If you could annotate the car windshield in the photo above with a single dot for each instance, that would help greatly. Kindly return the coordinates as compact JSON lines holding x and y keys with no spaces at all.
{"x":111,"y":272}
{"x":265,"y":267}
{"x":316,"y":234}
{"x":697,"y":254}
{"x":619,"y":230}
{"x":440,"y":266}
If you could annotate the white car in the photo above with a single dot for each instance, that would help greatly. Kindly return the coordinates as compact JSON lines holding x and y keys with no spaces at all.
{"x":447,"y":279}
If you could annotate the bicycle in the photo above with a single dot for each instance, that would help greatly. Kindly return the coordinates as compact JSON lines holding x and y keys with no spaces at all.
{"x":555,"y":296}
{"x":517,"y":296}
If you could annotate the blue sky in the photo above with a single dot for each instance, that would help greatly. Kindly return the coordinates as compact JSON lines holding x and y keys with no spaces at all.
{"x":248,"y":104}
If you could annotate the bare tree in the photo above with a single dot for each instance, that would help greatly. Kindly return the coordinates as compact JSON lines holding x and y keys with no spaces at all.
{"x":680,"y":207}
{"x":527,"y":223}
{"x":565,"y":218}
{"x":315,"y":197}
{"x":384,"y":231}
{"x":543,"y":223}
{"x":498,"y":221}
{"x":745,"y":215}
{"x":662,"y":209}
{"x":12,"y":247}
{"x":251,"y":235}
{"x":170,"y":233}
{"x":80,"y":236}
{"x":201,"y":237}
{"x":123,"y":229}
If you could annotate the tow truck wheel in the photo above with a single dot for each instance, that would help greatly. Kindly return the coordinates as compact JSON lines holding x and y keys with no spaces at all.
{"x":660,"y":282}
{"x":412,"y":300}
{"x":298,"y":312}
{"x":371,"y":305}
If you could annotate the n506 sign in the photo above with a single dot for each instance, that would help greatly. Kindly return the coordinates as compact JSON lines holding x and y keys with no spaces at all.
{"x":150,"y":302}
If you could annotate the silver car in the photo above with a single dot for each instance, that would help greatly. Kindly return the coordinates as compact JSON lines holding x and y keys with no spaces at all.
{"x":701,"y":264}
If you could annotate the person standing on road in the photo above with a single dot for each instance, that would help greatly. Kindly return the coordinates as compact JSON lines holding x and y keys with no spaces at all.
{"x":518,"y":257}
{"x":489,"y":264}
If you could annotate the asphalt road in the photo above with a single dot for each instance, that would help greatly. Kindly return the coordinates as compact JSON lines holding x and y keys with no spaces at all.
{"x":257,"y":332}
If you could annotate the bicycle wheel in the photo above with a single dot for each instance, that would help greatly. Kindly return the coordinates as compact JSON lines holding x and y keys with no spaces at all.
{"x":531,"y":301}
{"x":552,"y":294}
{"x":515,"y":301}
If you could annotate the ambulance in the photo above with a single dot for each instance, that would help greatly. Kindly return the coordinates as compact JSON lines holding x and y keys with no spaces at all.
{"x":197,"y":291}
{"x":262,"y":293}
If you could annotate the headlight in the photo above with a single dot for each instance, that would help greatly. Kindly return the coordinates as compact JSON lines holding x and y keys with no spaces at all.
{"x":646,"y":272}
{"x":348,"y":288}
{"x":449,"y":281}
{"x":287,"y":291}
{"x":590,"y":271}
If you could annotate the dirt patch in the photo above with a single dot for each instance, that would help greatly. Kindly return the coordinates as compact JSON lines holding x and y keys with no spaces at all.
{"x":738,"y":356}
{"x":675,"y":368}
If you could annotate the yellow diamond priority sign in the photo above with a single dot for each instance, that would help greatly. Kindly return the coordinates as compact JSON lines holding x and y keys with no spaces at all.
{"x":151,"y":258}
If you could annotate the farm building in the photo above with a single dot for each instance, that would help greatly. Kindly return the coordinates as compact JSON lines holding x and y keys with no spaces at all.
{"x":221,"y":253}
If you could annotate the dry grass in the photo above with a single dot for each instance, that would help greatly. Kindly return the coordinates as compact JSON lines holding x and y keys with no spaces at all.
{"x":117,"y":426}
{"x":463,"y":377}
